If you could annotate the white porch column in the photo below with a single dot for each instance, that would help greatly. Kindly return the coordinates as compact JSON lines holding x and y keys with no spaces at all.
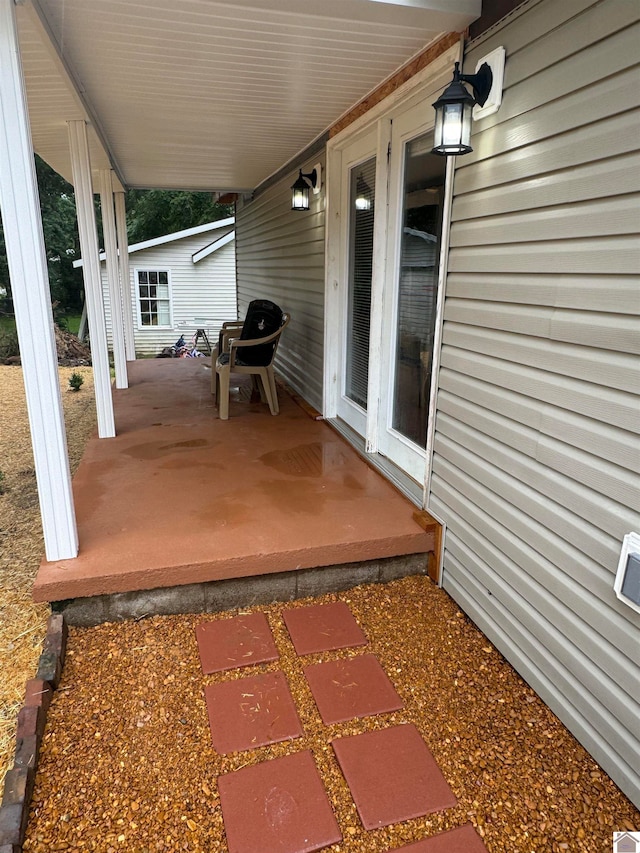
{"x":125,"y":276}
{"x":113,"y":282}
{"x":32,"y":299}
{"x":83,"y":187}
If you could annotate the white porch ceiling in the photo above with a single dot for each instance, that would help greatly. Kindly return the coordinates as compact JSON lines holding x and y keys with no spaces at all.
{"x":211,"y":94}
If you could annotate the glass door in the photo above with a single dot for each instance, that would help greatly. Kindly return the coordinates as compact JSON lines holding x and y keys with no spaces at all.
{"x":358,"y":212}
{"x":416,"y":196}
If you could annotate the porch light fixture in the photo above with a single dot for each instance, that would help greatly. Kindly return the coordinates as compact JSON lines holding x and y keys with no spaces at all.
{"x":304,"y":183}
{"x":453,"y":110}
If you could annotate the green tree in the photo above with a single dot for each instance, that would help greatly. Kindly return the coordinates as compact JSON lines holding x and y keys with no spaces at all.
{"x":58,"y":208}
{"x":153,"y":213}
{"x":58,"y":211}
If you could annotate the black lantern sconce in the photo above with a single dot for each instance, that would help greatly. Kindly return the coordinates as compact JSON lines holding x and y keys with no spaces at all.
{"x":304,"y":183}
{"x":453,"y":110}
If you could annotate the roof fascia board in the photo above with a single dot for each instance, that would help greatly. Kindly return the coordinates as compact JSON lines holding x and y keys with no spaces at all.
{"x":169,"y":238}
{"x":75,"y":87}
{"x":213,"y":247}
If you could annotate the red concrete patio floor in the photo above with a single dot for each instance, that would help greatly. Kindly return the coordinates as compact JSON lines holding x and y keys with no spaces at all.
{"x":181,"y":497}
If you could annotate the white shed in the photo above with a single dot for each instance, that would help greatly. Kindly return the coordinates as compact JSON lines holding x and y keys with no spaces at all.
{"x":178,"y":283}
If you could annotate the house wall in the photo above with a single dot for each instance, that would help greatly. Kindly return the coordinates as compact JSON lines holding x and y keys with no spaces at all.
{"x":205,"y":289}
{"x":281,"y":257}
{"x":535,"y":465}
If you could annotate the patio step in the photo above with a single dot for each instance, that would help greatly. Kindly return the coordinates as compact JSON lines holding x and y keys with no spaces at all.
{"x":232,"y":593}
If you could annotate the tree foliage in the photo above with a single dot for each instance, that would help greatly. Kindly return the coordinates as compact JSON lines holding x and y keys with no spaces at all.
{"x":153,"y":213}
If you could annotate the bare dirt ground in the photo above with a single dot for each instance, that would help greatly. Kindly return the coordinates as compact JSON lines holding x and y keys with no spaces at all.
{"x":22,"y":623}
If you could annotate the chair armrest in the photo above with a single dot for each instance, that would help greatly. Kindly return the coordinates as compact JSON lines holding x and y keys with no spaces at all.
{"x":228,"y":333}
{"x":252,"y":342}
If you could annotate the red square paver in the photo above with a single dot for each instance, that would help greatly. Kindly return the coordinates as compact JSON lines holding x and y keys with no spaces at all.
{"x":236,"y":642}
{"x":464,"y":839}
{"x":323,"y":628}
{"x":392,"y":775}
{"x":279,"y":806}
{"x":251,"y":712}
{"x":356,"y":687}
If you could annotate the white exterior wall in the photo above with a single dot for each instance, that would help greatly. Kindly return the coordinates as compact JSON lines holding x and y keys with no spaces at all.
{"x":205,"y":289}
{"x":536,"y":460}
{"x":281,"y":257}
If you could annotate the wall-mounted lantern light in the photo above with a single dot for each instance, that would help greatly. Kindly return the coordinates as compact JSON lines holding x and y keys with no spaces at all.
{"x":453,"y":110}
{"x":304,"y":183}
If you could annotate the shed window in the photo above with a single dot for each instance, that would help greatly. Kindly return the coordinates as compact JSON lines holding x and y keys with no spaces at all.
{"x":154,"y":298}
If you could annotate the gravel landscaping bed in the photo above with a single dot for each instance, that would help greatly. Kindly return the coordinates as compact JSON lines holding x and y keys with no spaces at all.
{"x":127,"y":762}
{"x":23,"y":623}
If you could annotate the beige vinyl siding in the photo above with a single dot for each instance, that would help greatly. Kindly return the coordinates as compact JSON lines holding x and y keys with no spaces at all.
{"x":206,"y":289}
{"x":536,"y":452}
{"x":280,"y":256}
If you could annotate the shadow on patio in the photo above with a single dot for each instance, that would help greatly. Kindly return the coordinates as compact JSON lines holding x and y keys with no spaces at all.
{"x":180,"y":498}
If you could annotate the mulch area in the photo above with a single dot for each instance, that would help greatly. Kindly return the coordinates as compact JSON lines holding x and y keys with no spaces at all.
{"x":23,"y":623}
{"x":127,"y":761}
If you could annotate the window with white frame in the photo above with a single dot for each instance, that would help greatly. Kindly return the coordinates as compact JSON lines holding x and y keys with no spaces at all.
{"x":154,"y":298}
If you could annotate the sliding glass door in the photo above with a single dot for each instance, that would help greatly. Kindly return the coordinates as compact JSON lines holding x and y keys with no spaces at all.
{"x":416,"y":195}
{"x":389,"y":271}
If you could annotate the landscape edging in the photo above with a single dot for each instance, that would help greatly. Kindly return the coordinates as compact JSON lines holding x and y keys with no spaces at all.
{"x":32,"y":718}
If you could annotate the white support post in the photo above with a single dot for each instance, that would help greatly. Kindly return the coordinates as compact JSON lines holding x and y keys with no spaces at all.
{"x":83,"y":187}
{"x":125,"y":276}
{"x":113,"y":283}
{"x":32,"y":300}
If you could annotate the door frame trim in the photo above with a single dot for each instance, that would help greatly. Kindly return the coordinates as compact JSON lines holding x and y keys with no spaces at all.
{"x":417,"y":89}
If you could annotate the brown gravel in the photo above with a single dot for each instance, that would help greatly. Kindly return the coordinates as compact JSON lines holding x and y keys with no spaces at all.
{"x":23,"y":623}
{"x":127,"y":762}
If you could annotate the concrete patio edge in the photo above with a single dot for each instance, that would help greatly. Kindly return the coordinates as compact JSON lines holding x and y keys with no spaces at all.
{"x":230,"y":593}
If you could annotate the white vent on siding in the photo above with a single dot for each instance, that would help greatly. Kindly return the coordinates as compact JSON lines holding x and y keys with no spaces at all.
{"x":627,"y":582}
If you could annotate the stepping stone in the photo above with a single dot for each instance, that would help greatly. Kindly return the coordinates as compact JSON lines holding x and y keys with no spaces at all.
{"x":322,"y":628}
{"x":392,"y":775}
{"x":232,"y":643}
{"x":251,"y":712}
{"x":279,"y":805}
{"x":357,"y":687}
{"x":464,"y":839}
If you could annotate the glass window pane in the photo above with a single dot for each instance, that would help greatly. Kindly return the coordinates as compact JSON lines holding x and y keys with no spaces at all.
{"x":145,"y":319}
{"x":424,"y":175}
{"x":361,"y":205}
{"x":163,"y":291}
{"x":144,"y":290}
{"x":142,"y":277}
{"x":163,"y":278}
{"x":153,"y":278}
{"x":163,"y":314}
{"x":153,"y":290}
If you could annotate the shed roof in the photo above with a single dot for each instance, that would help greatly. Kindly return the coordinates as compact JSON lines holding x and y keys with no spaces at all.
{"x":180,"y":235}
